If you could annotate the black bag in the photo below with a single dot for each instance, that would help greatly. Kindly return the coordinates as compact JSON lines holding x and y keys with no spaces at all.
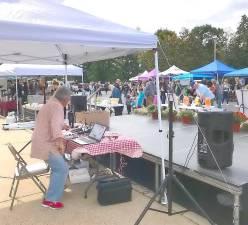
{"x":112,"y":191}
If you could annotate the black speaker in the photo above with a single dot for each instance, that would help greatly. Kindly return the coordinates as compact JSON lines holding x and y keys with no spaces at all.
{"x":217,"y":129}
{"x":79,"y":103}
{"x":118,"y":110}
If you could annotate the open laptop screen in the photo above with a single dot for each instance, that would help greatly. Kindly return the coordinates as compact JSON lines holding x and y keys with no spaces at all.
{"x":97,"y":132}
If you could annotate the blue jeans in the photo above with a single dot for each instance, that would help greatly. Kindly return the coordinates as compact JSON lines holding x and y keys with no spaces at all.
{"x":59,"y":174}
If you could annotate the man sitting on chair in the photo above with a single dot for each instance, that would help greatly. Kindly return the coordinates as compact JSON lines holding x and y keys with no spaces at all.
{"x":48,"y":145}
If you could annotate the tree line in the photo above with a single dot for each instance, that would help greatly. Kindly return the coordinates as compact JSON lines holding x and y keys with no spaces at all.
{"x":188,"y":50}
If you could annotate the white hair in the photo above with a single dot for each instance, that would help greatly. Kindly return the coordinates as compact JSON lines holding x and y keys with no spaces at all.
{"x":62,"y":93}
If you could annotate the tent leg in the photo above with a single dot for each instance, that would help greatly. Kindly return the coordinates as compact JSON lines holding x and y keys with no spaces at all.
{"x":164,"y":198}
{"x":17,"y":102}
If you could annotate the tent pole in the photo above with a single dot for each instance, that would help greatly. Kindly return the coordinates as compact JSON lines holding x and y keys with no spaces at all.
{"x":66,"y":72}
{"x":82,"y":74}
{"x":17,"y":102}
{"x":162,"y":148}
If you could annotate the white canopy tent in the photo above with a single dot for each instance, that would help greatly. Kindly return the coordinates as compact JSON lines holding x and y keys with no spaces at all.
{"x":39,"y":32}
{"x":18,"y":70}
{"x":40,"y":70}
{"x":173,"y":70}
{"x":42,"y":32}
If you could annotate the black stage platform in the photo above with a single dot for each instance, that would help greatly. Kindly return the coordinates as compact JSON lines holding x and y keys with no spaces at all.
{"x":145,"y":131}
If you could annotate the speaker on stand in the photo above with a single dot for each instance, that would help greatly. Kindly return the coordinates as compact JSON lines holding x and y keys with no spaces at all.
{"x":78,"y":104}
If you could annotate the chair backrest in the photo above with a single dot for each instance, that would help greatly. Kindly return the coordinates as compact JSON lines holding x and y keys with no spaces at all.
{"x":16,"y":155}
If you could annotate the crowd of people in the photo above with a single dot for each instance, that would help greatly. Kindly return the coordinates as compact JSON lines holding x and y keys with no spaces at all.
{"x":218,"y":92}
{"x":134,"y":94}
{"x":143,"y":93}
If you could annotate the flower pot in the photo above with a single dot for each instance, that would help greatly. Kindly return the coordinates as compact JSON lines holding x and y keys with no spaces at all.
{"x":155,"y":115}
{"x":186,"y":120}
{"x":236,"y":127}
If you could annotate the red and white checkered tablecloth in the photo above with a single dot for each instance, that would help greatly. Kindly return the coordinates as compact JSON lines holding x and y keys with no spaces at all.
{"x":109,"y":144}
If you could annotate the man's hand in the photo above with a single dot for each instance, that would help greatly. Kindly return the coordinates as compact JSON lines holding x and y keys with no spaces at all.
{"x":60,"y":145}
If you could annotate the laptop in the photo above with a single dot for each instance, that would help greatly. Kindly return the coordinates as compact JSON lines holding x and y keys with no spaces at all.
{"x":95,"y":135}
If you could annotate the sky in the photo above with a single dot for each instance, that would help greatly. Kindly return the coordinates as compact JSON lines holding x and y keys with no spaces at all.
{"x":150,"y":16}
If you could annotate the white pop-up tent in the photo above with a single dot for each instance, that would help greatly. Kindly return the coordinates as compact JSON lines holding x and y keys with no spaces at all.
{"x":40,"y":70}
{"x":173,"y":70}
{"x":42,"y":32}
{"x":38,"y":32}
{"x":18,"y":70}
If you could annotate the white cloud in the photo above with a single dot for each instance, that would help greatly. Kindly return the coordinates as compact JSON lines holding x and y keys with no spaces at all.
{"x":152,"y":15}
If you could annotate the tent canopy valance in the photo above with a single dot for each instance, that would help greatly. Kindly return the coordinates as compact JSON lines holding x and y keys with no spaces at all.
{"x":42,"y":32}
{"x":238,"y":73}
{"x":39,"y":70}
{"x":191,"y":76}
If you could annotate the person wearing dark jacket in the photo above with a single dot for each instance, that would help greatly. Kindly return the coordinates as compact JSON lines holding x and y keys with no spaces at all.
{"x":150,"y":92}
{"x":116,"y":93}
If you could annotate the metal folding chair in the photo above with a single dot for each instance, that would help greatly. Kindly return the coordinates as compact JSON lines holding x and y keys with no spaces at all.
{"x":26,"y":171}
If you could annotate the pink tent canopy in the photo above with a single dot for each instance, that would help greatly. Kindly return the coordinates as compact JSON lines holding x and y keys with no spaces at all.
{"x":146,"y":75}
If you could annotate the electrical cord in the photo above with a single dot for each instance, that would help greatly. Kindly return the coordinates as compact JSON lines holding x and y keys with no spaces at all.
{"x":190,"y":153}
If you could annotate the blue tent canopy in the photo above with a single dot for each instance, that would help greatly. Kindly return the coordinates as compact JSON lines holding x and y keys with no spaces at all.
{"x":238,"y":73}
{"x":214,"y":68}
{"x":191,"y":76}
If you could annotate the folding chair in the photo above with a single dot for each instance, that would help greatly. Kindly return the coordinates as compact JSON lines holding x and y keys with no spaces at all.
{"x":25,"y":171}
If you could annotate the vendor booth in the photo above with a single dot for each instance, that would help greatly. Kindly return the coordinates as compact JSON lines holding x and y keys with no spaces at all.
{"x":242,"y":94}
{"x":216,"y":68}
{"x":17,"y":71}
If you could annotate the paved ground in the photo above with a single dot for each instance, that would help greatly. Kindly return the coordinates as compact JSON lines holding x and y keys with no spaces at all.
{"x":78,"y":211}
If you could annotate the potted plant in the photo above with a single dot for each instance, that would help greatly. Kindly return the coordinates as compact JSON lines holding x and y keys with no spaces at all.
{"x":153,"y":110}
{"x":238,"y":118}
{"x":186,"y":116}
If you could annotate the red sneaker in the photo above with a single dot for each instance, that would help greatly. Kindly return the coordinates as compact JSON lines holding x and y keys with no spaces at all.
{"x":52,"y":205}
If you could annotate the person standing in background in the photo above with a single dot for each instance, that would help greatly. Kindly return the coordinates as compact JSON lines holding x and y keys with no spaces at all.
{"x":116,"y":93}
{"x":218,"y":92}
{"x":140,"y":98}
{"x":150,"y":92}
{"x":20,"y":95}
{"x":226,"y":91}
{"x":25,"y":92}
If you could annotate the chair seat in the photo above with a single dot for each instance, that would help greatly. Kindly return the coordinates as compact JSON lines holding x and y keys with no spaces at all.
{"x":34,"y":169}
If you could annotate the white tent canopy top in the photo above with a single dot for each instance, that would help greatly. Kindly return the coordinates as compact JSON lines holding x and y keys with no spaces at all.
{"x":42,"y":32}
{"x":173,"y":70}
{"x":39,"y":70}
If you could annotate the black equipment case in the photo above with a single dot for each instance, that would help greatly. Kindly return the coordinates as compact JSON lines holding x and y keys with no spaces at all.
{"x":115,"y":190}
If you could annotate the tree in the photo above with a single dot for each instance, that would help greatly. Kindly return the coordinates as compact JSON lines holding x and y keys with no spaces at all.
{"x":237,"y":51}
{"x":201,"y":44}
{"x":109,"y":70}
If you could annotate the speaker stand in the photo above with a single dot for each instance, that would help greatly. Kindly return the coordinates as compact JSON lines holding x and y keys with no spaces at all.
{"x":168,"y":181}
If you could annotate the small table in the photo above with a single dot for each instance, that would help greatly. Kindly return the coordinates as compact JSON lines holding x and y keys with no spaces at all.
{"x":7,"y":106}
{"x":111,"y":143}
